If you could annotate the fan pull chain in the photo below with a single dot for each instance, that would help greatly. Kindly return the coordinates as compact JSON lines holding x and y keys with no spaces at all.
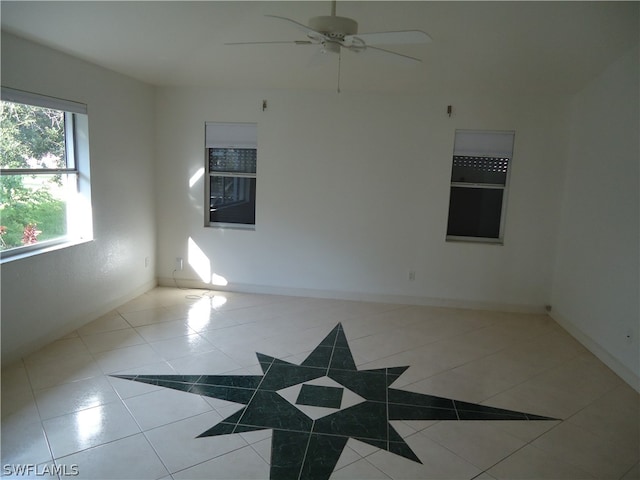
{"x":339,"y":63}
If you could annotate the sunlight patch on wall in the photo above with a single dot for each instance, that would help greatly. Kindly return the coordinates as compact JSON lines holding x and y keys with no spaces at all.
{"x":199,"y":261}
{"x":195,"y":177}
{"x":201,"y":264}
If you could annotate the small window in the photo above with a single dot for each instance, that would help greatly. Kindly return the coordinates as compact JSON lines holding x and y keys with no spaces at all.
{"x":44,"y":173}
{"x":479,"y":180}
{"x":231,"y":151}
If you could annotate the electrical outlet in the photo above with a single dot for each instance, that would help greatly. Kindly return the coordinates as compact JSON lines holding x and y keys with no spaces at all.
{"x":629,"y":336}
{"x":146,"y":262}
{"x":412,"y":275}
{"x":179,"y":264}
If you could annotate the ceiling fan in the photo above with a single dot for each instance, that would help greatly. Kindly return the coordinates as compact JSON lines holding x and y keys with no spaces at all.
{"x":334,"y":34}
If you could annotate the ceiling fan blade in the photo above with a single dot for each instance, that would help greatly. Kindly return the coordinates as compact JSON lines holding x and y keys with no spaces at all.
{"x":284,"y":42}
{"x":309,"y":31}
{"x":391,"y":38}
{"x":399,"y":56}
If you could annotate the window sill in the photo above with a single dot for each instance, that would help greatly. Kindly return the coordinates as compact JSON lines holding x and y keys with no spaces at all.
{"x":232,"y":226}
{"x":488,"y":241}
{"x":20,"y":254}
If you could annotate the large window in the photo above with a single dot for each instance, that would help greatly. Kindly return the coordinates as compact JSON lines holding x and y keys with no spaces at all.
{"x":479,"y":181}
{"x":44,"y":175}
{"x":231,"y":157}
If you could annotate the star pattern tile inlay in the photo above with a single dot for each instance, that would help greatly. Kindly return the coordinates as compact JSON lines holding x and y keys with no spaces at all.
{"x":309,"y":446}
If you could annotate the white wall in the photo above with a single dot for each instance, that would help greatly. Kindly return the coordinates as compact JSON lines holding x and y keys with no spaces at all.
{"x":353,"y":192}
{"x":596,"y":286}
{"x":46,"y":296}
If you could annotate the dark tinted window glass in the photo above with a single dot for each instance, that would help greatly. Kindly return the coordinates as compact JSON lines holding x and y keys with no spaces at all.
{"x":475,"y":212}
{"x":232,"y":200}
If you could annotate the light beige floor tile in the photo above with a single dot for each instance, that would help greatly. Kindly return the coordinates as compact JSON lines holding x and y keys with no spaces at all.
{"x":105,"y":341}
{"x":125,"y":459}
{"x":389,"y":343}
{"x":490,"y":339}
{"x":480,"y":443}
{"x":457,"y":386}
{"x":161,"y":407}
{"x":14,"y":374}
{"x":236,"y":334}
{"x":213,"y":362}
{"x":244,"y":353}
{"x":88,"y":428}
{"x":20,"y":410}
{"x":62,"y":370}
{"x":615,"y":417}
{"x":150,"y":300}
{"x":183,"y":346}
{"x":525,"y":431}
{"x":127,"y":358}
{"x":148,"y":316}
{"x":59,"y":349}
{"x":426,"y":361}
{"x":201,"y":320}
{"x":165,"y":330}
{"x":107,"y":323}
{"x":437,"y":462}
{"x":545,"y":352}
{"x":23,"y":442}
{"x":179,"y":447}
{"x":242,"y":464}
{"x":71,"y":397}
{"x":530,"y":463}
{"x":16,"y":394}
{"x":263,"y":448}
{"x":560,"y":392}
{"x":203,"y":314}
{"x":498,"y":371}
{"x":359,"y":470}
{"x":593,"y":454}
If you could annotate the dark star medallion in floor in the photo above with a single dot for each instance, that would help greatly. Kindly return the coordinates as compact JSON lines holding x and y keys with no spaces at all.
{"x":315,"y":407}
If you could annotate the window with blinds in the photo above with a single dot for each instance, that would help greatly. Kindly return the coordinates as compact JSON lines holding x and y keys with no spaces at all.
{"x":45,"y":190}
{"x":231,"y":165}
{"x":479,"y":182}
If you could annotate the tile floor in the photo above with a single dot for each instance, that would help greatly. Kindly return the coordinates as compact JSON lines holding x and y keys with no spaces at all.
{"x":144,"y":393}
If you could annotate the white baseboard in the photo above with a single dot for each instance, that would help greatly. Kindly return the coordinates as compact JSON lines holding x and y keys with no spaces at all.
{"x":355,"y":296}
{"x":601,"y":353}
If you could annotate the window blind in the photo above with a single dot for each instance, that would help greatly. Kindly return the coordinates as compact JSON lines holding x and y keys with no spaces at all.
{"x":231,"y":135}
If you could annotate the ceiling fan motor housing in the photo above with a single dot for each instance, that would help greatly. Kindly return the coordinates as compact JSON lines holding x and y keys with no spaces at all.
{"x":334,"y":27}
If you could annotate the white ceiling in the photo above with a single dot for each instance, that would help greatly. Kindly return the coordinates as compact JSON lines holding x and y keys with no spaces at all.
{"x":477,"y":46}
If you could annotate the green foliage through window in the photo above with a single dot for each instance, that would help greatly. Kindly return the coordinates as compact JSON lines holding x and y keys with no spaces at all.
{"x":32,"y":189}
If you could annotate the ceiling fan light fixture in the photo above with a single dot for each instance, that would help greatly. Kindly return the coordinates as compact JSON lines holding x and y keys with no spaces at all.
{"x":330,"y":47}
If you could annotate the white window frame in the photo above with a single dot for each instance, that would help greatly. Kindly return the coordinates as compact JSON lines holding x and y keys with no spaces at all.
{"x":78,"y":202}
